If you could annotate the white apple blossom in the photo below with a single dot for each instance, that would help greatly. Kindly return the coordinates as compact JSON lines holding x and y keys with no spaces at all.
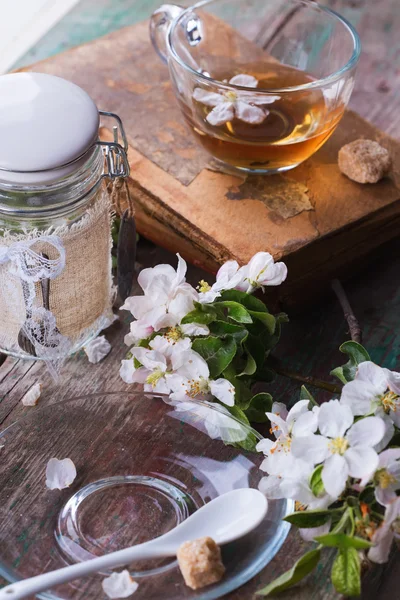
{"x":191,"y":379}
{"x":228,"y":277}
{"x":184,"y":388}
{"x":345,"y":449}
{"x":387,"y":476}
{"x":259,"y":272}
{"x":245,"y":106}
{"x":149,"y":366}
{"x":263,"y":271}
{"x":384,"y":535}
{"x":296,"y":486}
{"x":375,"y":390}
{"x":167,"y":299}
{"x":299,"y":420}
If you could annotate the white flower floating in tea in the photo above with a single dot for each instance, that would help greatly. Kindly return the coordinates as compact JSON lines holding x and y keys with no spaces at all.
{"x":119,"y":585}
{"x":60,"y":473}
{"x":244,"y":106}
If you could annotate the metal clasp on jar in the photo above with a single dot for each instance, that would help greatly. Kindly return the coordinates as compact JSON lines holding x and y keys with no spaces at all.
{"x":115,"y":153}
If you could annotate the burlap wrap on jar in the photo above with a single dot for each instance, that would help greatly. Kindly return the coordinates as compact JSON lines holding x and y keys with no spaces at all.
{"x":81,"y":297}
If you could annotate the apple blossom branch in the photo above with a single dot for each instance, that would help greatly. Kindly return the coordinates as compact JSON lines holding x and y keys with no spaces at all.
{"x":354,"y":326}
{"x":280,"y":369}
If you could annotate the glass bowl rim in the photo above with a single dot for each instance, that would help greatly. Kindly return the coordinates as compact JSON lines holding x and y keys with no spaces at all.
{"x":210,"y":405}
{"x":351,"y":63}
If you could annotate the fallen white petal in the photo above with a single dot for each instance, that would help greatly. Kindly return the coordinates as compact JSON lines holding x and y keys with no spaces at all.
{"x":60,"y":473}
{"x":244,"y":80}
{"x":97,"y":349}
{"x":119,"y":585}
{"x":32,"y":396}
{"x":249,"y":113}
{"x":221,"y":114}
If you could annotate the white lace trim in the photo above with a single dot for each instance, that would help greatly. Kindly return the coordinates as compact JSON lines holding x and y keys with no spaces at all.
{"x":32,"y":267}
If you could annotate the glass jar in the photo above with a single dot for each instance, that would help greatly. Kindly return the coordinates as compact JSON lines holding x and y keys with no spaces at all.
{"x":56,"y":288}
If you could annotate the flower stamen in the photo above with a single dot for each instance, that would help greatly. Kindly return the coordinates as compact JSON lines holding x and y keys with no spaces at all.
{"x":197,"y":386}
{"x":203,"y":286}
{"x":389,"y":401}
{"x":174,"y":334}
{"x":154,"y":377}
{"x":338,"y":445}
{"x":384,"y":478}
{"x":231,"y":96}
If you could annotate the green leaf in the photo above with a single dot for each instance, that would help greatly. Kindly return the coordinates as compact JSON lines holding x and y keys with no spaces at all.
{"x":343,"y":541}
{"x":357,"y":354}
{"x":250,"y":367}
{"x":236,"y":312}
{"x":316,"y":485}
{"x":218,"y":353}
{"x":306,"y":395}
{"x":346,"y":572}
{"x":300,"y":569}
{"x":200,"y":316}
{"x":310,"y":518}
{"x":224,"y":329}
{"x":137,"y":364}
{"x":255,"y":347}
{"x":250,"y":442}
{"x":250,"y":302}
{"x":266,"y":318}
{"x":258,"y":406}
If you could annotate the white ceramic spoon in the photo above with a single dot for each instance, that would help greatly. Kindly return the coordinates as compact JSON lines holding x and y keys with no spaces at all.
{"x":225,"y":519}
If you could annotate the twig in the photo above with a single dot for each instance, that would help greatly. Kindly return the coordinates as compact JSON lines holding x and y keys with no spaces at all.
{"x":354,"y":326}
{"x":308,"y":379}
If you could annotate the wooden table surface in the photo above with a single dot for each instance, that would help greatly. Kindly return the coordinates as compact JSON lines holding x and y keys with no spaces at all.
{"x":310,"y":344}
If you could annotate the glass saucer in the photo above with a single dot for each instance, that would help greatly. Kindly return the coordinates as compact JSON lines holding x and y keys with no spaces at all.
{"x":142,"y":467}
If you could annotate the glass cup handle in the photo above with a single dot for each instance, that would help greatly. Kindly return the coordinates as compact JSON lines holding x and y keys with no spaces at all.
{"x":160,"y":22}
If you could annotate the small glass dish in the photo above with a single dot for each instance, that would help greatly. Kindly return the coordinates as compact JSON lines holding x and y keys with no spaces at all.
{"x":142,"y":466}
{"x":262,"y":84}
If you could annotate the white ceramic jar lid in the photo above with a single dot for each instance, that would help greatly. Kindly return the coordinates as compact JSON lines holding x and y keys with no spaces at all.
{"x":46,"y":124}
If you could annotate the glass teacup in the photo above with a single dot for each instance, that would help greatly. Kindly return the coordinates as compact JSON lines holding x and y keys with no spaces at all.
{"x":261,"y":83}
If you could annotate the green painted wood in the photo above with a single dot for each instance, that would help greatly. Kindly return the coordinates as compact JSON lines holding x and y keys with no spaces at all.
{"x":88,"y":20}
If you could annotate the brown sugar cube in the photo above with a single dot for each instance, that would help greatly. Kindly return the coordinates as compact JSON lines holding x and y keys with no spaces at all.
{"x":200,"y":562}
{"x":364,"y":161}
